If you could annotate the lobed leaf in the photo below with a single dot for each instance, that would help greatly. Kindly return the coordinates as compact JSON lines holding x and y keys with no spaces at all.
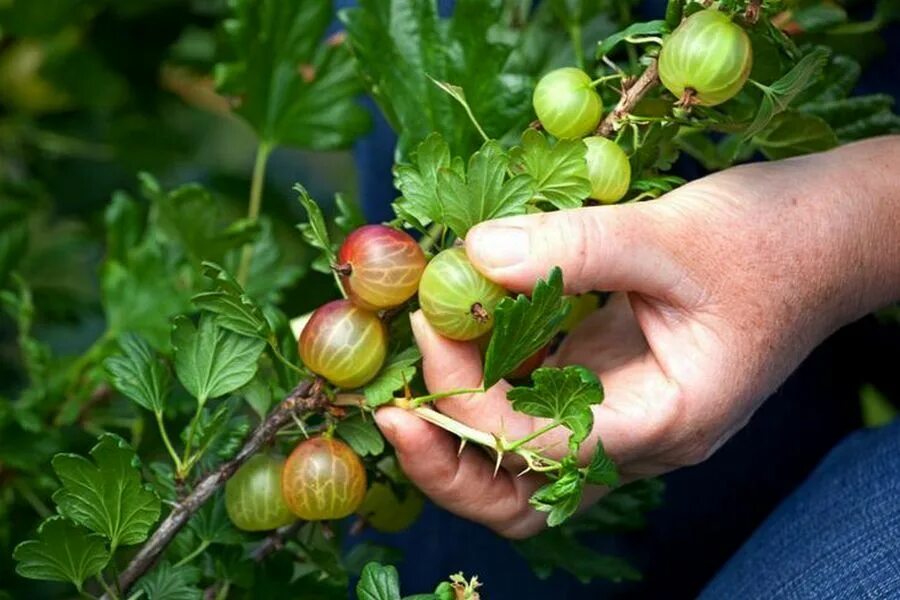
{"x":107,"y":494}
{"x":654,"y":28}
{"x":523,"y":326}
{"x":234,"y":309}
{"x":62,"y":551}
{"x":398,"y":371}
{"x":167,"y":582}
{"x":140,"y":374}
{"x":378,"y":582}
{"x":559,"y":171}
{"x":362,"y":434}
{"x":315,"y":231}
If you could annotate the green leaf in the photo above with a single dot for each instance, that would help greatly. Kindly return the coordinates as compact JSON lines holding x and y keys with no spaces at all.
{"x":402,"y":46}
{"x":819,"y":17}
{"x":211,"y":523}
{"x":602,"y":470}
{"x":140,"y":374}
{"x":378,"y":582}
{"x":218,"y":433}
{"x":362,"y":435}
{"x":563,"y":395}
{"x":293,"y":87}
{"x":558,"y":549}
{"x":484,"y":192}
{"x":398,"y":371}
{"x":63,"y":552}
{"x":315,"y":232}
{"x":560,"y":498}
{"x":635,"y":30}
{"x":166,"y":582}
{"x":234,"y":310}
{"x":778,"y":96}
{"x":793,"y":133}
{"x":523,"y":326}
{"x":107,"y":495}
{"x":418,"y":182}
{"x":656,"y":186}
{"x":211,"y":361}
{"x":559,"y":171}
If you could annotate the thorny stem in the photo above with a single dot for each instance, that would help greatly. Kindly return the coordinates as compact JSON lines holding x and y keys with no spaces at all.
{"x":420,"y":400}
{"x":306,"y":397}
{"x":629,"y":99}
{"x":253,"y":207}
{"x":275,"y":541}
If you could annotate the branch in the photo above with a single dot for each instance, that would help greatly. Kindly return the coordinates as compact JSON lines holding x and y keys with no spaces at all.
{"x":275,"y":541}
{"x":629,"y":99}
{"x":305,"y":397}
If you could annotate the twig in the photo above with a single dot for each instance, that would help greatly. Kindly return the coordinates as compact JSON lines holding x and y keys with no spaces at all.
{"x":630,"y":98}
{"x":307,"y":396}
{"x":275,"y":541}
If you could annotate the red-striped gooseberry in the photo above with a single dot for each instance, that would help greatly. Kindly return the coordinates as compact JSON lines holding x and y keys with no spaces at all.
{"x":344,"y":344}
{"x":253,"y":497}
{"x":323,"y":479}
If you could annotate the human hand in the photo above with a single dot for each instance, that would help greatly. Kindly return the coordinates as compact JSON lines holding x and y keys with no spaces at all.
{"x":729,"y":282}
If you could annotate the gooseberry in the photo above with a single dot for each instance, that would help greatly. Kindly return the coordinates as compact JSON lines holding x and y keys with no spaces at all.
{"x":608,"y":169}
{"x":457,"y":300}
{"x":387,"y":511}
{"x":344,"y":344}
{"x":567,"y":104}
{"x":380,"y":266}
{"x":253,"y":497}
{"x":706,"y":60}
{"x":323,"y":479}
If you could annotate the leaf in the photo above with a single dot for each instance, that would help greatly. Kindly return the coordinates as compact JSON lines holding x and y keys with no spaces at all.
{"x":484,"y":192}
{"x":398,"y":371}
{"x":361,"y":434}
{"x":211,"y":361}
{"x":656,"y":186}
{"x":166,"y":582}
{"x":523,"y":326}
{"x":558,"y":549}
{"x":218,"y":433}
{"x":315,"y":232}
{"x":602,"y":470}
{"x":793,"y":133}
{"x":418,"y":182}
{"x":402,"y":46}
{"x":819,"y":17}
{"x":63,"y":552}
{"x":778,"y":96}
{"x":211,"y":523}
{"x":378,"y":582}
{"x":563,"y":395}
{"x":107,"y":495}
{"x":140,"y":374}
{"x":559,"y":171}
{"x":234,"y":310}
{"x":560,"y":498}
{"x":366,"y":551}
{"x":654,"y":28}
{"x":293,"y":87}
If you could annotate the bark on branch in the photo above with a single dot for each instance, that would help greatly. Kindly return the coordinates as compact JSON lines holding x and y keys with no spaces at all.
{"x":307,"y":396}
{"x":630,"y":98}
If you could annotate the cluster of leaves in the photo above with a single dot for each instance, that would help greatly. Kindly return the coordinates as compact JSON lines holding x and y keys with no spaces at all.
{"x":187,"y":286}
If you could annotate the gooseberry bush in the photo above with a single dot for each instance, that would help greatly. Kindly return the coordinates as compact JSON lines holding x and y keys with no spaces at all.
{"x":232,"y":446}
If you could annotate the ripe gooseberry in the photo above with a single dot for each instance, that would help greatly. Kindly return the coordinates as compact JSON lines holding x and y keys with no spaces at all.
{"x":323,"y":479}
{"x":706,"y":60}
{"x":608,"y":169}
{"x":380,"y":267}
{"x":253,"y":497}
{"x":457,"y":300}
{"x":344,"y":344}
{"x":387,"y":511}
{"x":567,"y":104}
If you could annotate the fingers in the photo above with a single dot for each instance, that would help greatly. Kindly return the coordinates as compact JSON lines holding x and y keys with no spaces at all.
{"x":463,"y":483}
{"x":610,"y":248}
{"x":448,"y":365}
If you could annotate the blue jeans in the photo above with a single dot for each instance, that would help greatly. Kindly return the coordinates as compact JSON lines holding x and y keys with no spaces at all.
{"x":837,"y":536}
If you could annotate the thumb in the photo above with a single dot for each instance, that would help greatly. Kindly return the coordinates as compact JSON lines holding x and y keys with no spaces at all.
{"x":606,"y":248}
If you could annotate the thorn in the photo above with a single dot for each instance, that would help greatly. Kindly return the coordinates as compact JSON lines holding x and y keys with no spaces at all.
{"x":524,"y":471}
{"x":462,"y":446}
{"x":497,"y":464}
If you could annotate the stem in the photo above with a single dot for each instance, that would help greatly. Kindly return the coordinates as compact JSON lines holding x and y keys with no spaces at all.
{"x":223,"y":591}
{"x":577,"y":45}
{"x":284,"y":360}
{"x":430,"y":239}
{"x":459,"y":429}
{"x":275,"y":541}
{"x":420,"y":400}
{"x":187,"y":461}
{"x":600,"y":80}
{"x":512,"y":446}
{"x":630,"y":98}
{"x":108,"y":591}
{"x":306,"y":397}
{"x":197,"y":552}
{"x":256,"y":191}
{"x":165,"y":438}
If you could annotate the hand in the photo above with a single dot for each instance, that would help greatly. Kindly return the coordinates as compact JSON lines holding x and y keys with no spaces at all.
{"x":728,"y":283}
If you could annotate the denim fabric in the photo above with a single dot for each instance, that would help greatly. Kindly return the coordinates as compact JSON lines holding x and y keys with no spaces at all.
{"x":837,"y":536}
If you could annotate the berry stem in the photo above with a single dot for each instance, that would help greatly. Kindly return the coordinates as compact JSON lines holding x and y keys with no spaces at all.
{"x":629,"y":99}
{"x":253,"y":207}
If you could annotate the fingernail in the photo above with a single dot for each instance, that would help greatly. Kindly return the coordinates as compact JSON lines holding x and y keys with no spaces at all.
{"x":416,"y":322}
{"x":497,"y":246}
